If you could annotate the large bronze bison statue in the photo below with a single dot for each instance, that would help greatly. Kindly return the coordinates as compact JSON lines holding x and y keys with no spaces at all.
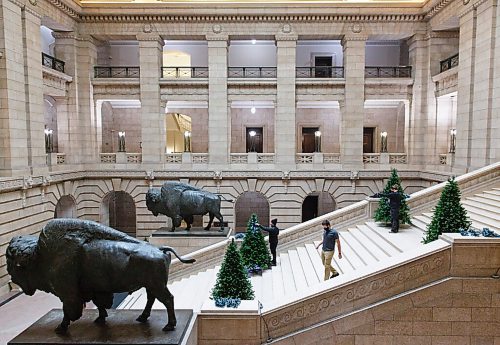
{"x":81,"y":261}
{"x":182,"y":201}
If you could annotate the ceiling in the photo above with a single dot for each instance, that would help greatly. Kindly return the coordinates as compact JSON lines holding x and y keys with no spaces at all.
{"x":254,"y":2}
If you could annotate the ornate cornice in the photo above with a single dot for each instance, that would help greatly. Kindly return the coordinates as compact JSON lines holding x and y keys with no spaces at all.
{"x":65,"y":8}
{"x":436,"y":8}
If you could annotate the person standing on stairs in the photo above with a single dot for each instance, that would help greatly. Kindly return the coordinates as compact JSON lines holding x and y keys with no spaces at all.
{"x":330,"y":236}
{"x":273,"y":231}
{"x":394,"y":203}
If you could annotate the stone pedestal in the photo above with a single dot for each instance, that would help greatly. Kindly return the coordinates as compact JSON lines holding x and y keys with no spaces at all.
{"x":121,"y":157}
{"x":120,"y":328}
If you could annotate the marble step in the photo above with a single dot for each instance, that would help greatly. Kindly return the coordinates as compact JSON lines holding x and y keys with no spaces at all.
{"x":287,"y":274}
{"x":298,"y":272}
{"x":307,"y":267}
{"x":419,"y":224}
{"x":483,"y":221}
{"x":493,"y":192}
{"x":315,"y":259}
{"x":493,"y":215}
{"x":479,"y":203}
{"x":354,"y":251}
{"x":371,"y":248}
{"x":374,"y":238}
{"x":474,"y":220}
{"x":487,"y":199}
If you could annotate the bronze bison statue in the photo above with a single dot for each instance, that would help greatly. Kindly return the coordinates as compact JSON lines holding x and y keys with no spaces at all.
{"x":81,"y":261}
{"x":182,"y":201}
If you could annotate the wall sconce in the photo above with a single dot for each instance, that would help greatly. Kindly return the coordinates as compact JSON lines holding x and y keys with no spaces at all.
{"x":49,"y":145}
{"x":383,"y":142}
{"x":187,"y":141}
{"x":453,"y":140}
{"x":317,"y":141}
{"x":252,"y":140}
{"x":121,"y":141}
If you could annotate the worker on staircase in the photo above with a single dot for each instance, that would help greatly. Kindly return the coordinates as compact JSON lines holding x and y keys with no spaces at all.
{"x":330,"y":236}
{"x":273,"y":231}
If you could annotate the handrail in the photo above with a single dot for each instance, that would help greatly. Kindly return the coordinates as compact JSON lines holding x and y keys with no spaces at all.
{"x":251,"y":72}
{"x":53,"y":63}
{"x":320,"y":72}
{"x":117,"y":72}
{"x":448,"y":63}
{"x":388,"y":72}
{"x":184,"y":72}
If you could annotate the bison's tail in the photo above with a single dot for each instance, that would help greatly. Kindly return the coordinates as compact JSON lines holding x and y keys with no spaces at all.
{"x":222,"y":197}
{"x":166,"y":249}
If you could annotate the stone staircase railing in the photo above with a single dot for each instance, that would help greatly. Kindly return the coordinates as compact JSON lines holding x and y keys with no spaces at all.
{"x":341,"y":219}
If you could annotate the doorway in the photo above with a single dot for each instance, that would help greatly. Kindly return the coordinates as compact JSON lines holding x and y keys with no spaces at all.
{"x":255,"y":142}
{"x":323,"y":66}
{"x":368,"y":142}
{"x":310,"y":208}
{"x":308,"y":139}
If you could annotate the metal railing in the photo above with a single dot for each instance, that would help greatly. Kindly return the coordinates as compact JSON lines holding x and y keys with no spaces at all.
{"x":52,"y":62}
{"x":319,"y":72}
{"x":116,"y":72}
{"x":251,"y":72}
{"x":449,"y":63}
{"x":184,"y":72}
{"x":388,"y":72}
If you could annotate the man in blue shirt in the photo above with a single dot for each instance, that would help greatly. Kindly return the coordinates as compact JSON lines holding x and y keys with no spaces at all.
{"x":330,"y":236}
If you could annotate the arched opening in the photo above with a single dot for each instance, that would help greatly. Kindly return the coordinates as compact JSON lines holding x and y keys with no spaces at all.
{"x":118,"y":212}
{"x":179,"y":130}
{"x":65,"y":207}
{"x":248,"y":203}
{"x":317,"y":204}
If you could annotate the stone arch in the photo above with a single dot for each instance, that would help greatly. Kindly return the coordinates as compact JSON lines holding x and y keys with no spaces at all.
{"x":248,"y":203}
{"x":65,"y":207}
{"x":317,"y":204}
{"x":119,"y":212}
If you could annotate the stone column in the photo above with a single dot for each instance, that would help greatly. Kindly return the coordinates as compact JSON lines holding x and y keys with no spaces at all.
{"x":152,"y":117}
{"x":13,"y":126}
{"x":352,"y":111}
{"x":423,"y":110}
{"x":219,"y":121}
{"x":465,"y":89}
{"x":285,"y":123}
{"x":79,"y":127}
{"x":495,"y":120}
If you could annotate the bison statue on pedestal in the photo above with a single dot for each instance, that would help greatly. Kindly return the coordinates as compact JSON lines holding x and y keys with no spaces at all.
{"x":81,"y":261}
{"x":182,"y":201}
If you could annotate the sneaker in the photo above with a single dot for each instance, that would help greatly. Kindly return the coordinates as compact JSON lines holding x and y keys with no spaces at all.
{"x":336,"y":274}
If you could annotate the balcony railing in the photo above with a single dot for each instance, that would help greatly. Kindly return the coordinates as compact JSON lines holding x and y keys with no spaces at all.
{"x":449,"y":63}
{"x":116,"y":72}
{"x":319,"y":72}
{"x":251,"y":72}
{"x":184,"y":72}
{"x":388,"y":72}
{"x":52,"y":62}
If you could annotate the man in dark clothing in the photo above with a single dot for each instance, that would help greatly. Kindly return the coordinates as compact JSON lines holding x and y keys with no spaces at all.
{"x":330,"y":237}
{"x":394,"y":203}
{"x":273,"y":237}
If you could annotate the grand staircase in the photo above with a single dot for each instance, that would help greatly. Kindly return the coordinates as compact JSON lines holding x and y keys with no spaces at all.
{"x":366,"y":248}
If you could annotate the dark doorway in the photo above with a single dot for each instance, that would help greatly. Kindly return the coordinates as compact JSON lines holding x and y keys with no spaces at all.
{"x":368,"y":139}
{"x":310,"y":208}
{"x":118,"y":212}
{"x":308,"y":143}
{"x":248,"y":203}
{"x":323,"y":66}
{"x":255,"y":139}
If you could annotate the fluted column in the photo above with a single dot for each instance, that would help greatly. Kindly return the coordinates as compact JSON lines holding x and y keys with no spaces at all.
{"x":218,"y":115}
{"x":352,"y":111}
{"x":152,"y":116}
{"x":285,"y":123}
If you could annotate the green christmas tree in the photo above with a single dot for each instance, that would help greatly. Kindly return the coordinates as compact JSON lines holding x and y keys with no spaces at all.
{"x":254,"y":251}
{"x":383,"y":212}
{"x":449,"y":214}
{"x":232,"y":280}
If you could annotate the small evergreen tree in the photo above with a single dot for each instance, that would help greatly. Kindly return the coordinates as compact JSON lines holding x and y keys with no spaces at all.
{"x":232,"y":279}
{"x":254,"y":251}
{"x":449,"y":214}
{"x":383,"y":212}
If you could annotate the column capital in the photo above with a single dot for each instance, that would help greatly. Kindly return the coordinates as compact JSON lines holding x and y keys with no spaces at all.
{"x":216,"y":37}
{"x":286,"y":37}
{"x":145,"y":37}
{"x":64,"y":35}
{"x":353,"y":37}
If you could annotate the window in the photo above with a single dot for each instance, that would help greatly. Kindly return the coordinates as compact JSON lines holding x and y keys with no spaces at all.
{"x":254,"y":139}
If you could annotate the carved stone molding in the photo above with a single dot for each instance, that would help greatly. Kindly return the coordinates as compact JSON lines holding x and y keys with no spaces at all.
{"x":65,"y":8}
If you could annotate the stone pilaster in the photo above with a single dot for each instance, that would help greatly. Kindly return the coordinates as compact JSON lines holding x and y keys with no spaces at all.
{"x":33,"y":89}
{"x":152,"y":116}
{"x":285,"y":124}
{"x":421,"y":145}
{"x":495,"y":121}
{"x":13,"y":126}
{"x":352,"y":111}
{"x":219,"y":123}
{"x":77,"y":123}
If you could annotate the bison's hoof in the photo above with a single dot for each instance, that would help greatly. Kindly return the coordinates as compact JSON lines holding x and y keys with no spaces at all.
{"x":100,"y":320}
{"x":142,"y":318}
{"x":61,"y":329}
{"x":168,"y":327}
{"x":206,"y":228}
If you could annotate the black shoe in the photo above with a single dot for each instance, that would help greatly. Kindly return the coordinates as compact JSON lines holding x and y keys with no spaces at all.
{"x":393,"y":232}
{"x":336,"y":274}
{"x":273,"y":263}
